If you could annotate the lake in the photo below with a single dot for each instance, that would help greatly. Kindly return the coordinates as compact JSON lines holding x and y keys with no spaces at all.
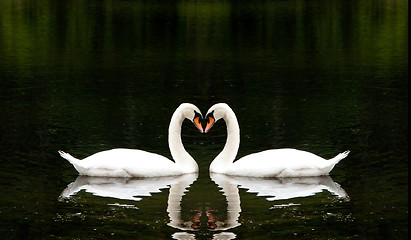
{"x":320,"y":76}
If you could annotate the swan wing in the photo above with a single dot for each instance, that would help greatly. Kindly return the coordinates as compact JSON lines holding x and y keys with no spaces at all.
{"x":126,"y":163}
{"x":280,"y":163}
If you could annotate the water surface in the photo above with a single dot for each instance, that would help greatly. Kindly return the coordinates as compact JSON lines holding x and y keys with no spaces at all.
{"x":87,"y":76}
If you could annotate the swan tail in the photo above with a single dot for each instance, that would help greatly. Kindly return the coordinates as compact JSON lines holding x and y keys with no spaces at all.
{"x":68,"y":157}
{"x":339,"y":157}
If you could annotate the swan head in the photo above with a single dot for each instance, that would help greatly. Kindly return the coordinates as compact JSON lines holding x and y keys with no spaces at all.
{"x":192,"y":113}
{"x":215,"y":113}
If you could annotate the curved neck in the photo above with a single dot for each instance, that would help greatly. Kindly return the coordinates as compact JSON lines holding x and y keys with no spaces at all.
{"x":228,"y":154}
{"x":230,"y":190}
{"x":175,"y":198}
{"x":181,"y":157}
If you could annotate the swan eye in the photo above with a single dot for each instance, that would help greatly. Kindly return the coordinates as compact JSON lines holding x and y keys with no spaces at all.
{"x":210,"y":117}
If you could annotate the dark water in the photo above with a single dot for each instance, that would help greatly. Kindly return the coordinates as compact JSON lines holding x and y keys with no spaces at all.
{"x":321,"y":76}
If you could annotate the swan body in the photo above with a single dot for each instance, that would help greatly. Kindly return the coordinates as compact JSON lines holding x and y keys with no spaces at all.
{"x":122,"y":162}
{"x":284,"y":162}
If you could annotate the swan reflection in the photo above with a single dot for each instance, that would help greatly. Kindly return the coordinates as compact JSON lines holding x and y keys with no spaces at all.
{"x":217,"y":236}
{"x":126,"y":188}
{"x":134,"y":189}
{"x":277,"y":188}
{"x":271,"y":189}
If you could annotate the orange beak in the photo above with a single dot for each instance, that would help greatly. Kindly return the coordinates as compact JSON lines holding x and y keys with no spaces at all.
{"x":198,"y":124}
{"x":210,"y":123}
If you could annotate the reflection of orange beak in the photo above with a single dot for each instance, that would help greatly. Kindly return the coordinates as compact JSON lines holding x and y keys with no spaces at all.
{"x":196,"y":220}
{"x":210,"y":123}
{"x":198,"y":124}
{"x":211,"y":220}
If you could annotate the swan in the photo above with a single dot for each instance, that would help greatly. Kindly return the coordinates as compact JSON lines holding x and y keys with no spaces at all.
{"x":122,"y":162}
{"x":284,"y":162}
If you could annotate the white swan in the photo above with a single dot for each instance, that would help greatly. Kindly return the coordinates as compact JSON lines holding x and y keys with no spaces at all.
{"x":270,"y":163}
{"x":137,"y":163}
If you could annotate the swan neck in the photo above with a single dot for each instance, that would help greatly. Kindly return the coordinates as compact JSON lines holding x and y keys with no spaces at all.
{"x":177,"y":150}
{"x":227,"y":156}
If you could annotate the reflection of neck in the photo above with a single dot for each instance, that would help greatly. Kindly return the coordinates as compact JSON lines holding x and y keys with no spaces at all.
{"x":177,"y":150}
{"x":233,"y":202}
{"x":175,"y":197}
{"x":228,"y":154}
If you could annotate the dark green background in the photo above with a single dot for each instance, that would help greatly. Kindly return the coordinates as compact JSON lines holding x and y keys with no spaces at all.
{"x":321,"y":76}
